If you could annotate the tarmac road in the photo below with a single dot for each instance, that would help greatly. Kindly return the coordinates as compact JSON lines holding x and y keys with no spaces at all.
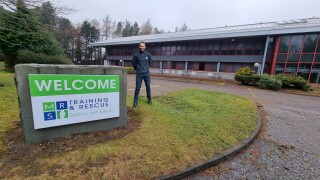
{"x":288,"y":147}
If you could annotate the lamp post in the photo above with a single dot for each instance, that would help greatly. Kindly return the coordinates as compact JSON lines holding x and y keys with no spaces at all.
{"x":257,"y":65}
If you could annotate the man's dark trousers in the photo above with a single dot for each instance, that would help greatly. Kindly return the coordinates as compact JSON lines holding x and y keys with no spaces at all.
{"x":139,"y":78}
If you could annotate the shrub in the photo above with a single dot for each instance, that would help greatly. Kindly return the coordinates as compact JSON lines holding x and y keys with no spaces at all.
{"x":130,"y":70}
{"x":290,"y":81}
{"x":246,"y":76}
{"x":246,"y":71}
{"x":268,"y":82}
{"x":26,"y":56}
{"x":1,"y":56}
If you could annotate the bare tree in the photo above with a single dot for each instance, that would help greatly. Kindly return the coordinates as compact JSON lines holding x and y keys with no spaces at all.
{"x":95,"y":23}
{"x":146,"y":28}
{"x":114,"y":27}
{"x":184,"y":27}
{"x":12,"y":5}
{"x":107,"y":26}
{"x":176,"y":29}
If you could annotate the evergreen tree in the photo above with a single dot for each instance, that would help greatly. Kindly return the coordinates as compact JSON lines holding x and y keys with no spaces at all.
{"x":118,"y":31}
{"x":89,"y":35}
{"x":64,"y":33}
{"x":136,"y":29}
{"x":184,"y":27}
{"x":21,"y":32}
{"x":47,"y":15}
{"x":127,"y":30}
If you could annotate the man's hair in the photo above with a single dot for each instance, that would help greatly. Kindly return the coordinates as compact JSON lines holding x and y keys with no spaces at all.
{"x":142,"y":42}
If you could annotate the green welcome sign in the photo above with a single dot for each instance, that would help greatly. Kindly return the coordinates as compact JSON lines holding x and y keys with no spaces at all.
{"x":68,"y":99}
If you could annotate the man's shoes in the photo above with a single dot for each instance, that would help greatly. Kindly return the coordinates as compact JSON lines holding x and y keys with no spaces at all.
{"x":149,"y":102}
{"x":135,"y":105}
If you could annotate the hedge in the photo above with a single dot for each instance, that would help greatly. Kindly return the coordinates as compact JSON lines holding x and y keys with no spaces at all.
{"x":247,"y":76}
{"x":290,"y":81}
{"x":268,"y":82}
{"x":26,"y":56}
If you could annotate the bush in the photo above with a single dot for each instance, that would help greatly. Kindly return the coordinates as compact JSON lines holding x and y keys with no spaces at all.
{"x":26,"y":56}
{"x":1,"y":56}
{"x":246,"y":76}
{"x":130,"y":70}
{"x":290,"y":81}
{"x":268,"y":82}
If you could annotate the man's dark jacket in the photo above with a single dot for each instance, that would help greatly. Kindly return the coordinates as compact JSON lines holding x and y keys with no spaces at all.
{"x":141,"y":62}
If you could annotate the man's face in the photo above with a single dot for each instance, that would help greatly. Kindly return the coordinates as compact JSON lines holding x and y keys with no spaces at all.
{"x":142,"y":46}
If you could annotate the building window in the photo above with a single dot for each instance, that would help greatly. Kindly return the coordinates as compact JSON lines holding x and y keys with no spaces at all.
{"x":224,"y":47}
{"x":222,"y":67}
{"x":180,"y":65}
{"x":211,"y":67}
{"x":201,"y":66}
{"x":128,"y":63}
{"x":293,"y":57}
{"x":298,"y":52}
{"x":305,"y":66}
{"x":291,"y":68}
{"x":281,"y":57}
{"x":155,"y":64}
{"x":315,"y":74}
{"x":237,"y":67}
{"x":241,"y":47}
{"x":166,"y":65}
{"x":202,"y":49}
{"x":296,"y":43}
{"x":284,"y":44}
{"x":195,"y":66}
{"x":317,"y":58}
{"x":310,"y":42}
{"x":306,"y":58}
{"x":173,"y":65}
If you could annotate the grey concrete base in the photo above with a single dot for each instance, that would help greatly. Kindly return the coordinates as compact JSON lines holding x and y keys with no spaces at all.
{"x":32,"y":135}
{"x":218,"y":158}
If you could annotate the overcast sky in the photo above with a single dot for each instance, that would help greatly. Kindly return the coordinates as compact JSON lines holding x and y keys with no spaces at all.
{"x":197,"y":14}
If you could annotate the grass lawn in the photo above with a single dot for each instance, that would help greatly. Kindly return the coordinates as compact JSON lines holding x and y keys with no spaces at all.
{"x":179,"y":130}
{"x":9,"y":112}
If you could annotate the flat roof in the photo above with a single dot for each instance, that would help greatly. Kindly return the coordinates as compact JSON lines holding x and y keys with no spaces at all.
{"x":259,"y":29}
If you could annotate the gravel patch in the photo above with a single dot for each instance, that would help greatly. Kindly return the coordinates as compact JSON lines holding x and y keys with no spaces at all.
{"x":266,"y":160}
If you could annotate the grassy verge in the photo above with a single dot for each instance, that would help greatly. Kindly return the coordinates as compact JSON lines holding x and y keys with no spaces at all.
{"x":179,"y":130}
{"x":8,"y":104}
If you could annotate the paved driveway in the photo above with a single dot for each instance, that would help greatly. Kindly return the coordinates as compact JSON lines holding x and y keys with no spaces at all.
{"x":288,"y":146}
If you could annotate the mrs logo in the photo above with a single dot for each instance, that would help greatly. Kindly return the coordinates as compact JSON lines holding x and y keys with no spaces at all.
{"x":55,"y":110}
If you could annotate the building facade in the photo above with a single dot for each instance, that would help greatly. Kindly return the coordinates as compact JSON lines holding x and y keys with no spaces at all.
{"x":276,"y":47}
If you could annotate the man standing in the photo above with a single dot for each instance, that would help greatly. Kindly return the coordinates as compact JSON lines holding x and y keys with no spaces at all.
{"x":141,"y":63}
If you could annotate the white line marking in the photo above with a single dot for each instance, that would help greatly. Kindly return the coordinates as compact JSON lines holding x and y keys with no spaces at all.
{"x":254,"y":97}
